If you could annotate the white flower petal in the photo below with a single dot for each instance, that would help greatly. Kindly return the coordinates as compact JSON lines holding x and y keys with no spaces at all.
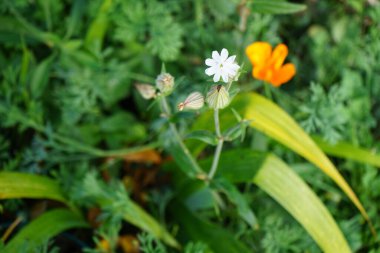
{"x":225,"y":77}
{"x":223,"y":54}
{"x":210,"y":62}
{"x":210,"y":71}
{"x":216,"y":76}
{"x":215,"y":56}
{"x":231,"y":59}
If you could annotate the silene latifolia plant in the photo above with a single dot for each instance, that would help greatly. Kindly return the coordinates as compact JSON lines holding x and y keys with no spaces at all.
{"x":224,"y":72}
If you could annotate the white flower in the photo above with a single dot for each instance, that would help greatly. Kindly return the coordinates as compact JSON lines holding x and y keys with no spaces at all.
{"x":222,"y":66}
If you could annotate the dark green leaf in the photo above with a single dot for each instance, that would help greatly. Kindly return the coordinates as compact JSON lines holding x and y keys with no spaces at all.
{"x":275,"y":7}
{"x":203,"y":135}
{"x":44,"y":228}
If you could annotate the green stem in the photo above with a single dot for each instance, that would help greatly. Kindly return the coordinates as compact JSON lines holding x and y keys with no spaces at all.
{"x":268,"y":91}
{"x":166,"y":109}
{"x":219,"y":147}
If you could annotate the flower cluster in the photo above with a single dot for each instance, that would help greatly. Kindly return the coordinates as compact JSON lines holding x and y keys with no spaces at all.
{"x":220,"y":66}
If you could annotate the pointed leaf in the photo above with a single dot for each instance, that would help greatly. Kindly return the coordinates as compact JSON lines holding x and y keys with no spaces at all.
{"x":22,"y":185}
{"x":349,"y":151}
{"x":289,"y":190}
{"x":276,"y":7}
{"x":40,"y":230}
{"x":203,"y":135}
{"x":218,"y":239}
{"x":276,"y":123}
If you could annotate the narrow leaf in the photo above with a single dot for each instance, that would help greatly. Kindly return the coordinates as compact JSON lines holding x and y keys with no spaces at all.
{"x":289,"y":190}
{"x":218,"y":239}
{"x":45,"y":227}
{"x":276,"y":123}
{"x":238,"y":199}
{"x":276,"y":7}
{"x":349,"y":151}
{"x":203,"y":135}
{"x":40,"y":77}
{"x":140,"y":218}
{"x":22,"y":185}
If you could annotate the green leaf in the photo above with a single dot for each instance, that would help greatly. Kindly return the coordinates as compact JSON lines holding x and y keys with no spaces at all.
{"x":44,"y":228}
{"x":289,"y":190}
{"x":348,"y":151}
{"x":238,"y":199}
{"x":277,"y":179}
{"x":276,"y":7}
{"x":98,"y":28}
{"x":203,"y":135}
{"x":218,"y":239}
{"x":236,"y":131}
{"x":140,"y":218}
{"x":22,"y":185}
{"x":276,"y":123}
{"x":40,"y":77}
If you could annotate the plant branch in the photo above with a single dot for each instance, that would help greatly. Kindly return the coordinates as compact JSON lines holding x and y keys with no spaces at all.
{"x":219,"y":147}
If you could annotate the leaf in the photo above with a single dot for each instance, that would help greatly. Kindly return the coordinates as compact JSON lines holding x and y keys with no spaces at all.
{"x":218,"y":239}
{"x":44,"y":228}
{"x":348,"y":151}
{"x":276,"y":178}
{"x":40,"y":77}
{"x":203,"y":135}
{"x":276,"y":7}
{"x":237,"y":198}
{"x":289,"y":190}
{"x":140,"y":218}
{"x":276,"y":123}
{"x":22,"y":185}
{"x":98,"y":28}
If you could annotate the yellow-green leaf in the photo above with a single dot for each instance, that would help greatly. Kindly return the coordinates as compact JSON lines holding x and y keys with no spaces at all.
{"x":269,"y":118}
{"x":22,"y":185}
{"x":289,"y":190}
{"x":346,"y":150}
{"x":40,"y":230}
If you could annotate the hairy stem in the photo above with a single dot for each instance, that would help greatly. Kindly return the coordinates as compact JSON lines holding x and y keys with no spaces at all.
{"x":166,"y":109}
{"x":219,"y":147}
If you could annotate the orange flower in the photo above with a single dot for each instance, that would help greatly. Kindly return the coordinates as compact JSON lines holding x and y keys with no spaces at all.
{"x":268,"y":65}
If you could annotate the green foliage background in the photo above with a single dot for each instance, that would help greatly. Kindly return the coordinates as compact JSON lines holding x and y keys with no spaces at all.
{"x":68,"y":70}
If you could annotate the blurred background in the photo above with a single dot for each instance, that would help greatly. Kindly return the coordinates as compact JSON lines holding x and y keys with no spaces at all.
{"x":67,"y":76}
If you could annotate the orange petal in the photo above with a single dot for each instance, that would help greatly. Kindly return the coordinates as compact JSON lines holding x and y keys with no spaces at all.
{"x":284,"y":74}
{"x":259,"y":53}
{"x":262,"y":73}
{"x":278,"y":56}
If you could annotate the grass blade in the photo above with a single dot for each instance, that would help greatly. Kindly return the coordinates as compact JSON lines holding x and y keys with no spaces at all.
{"x":21,"y":185}
{"x":288,"y":189}
{"x":218,"y":239}
{"x":40,"y":230}
{"x":349,"y":151}
{"x":270,"y":119}
{"x":276,"y":7}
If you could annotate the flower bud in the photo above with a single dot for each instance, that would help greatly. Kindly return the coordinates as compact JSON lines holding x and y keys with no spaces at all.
{"x":194,"y":101}
{"x":218,"y":97}
{"x":146,"y":91}
{"x":165,"y":83}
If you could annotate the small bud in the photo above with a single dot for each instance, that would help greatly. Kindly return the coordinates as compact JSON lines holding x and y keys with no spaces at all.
{"x":194,"y":101}
{"x":165,"y":83}
{"x":218,"y":97}
{"x":146,"y":91}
